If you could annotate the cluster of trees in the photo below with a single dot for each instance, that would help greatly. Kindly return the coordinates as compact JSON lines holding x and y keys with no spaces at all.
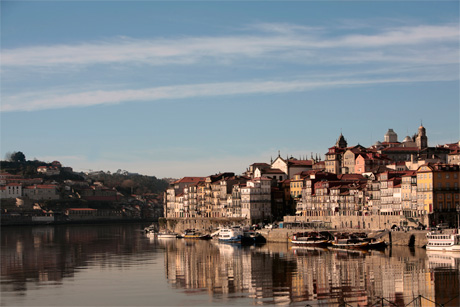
{"x":128,"y":183}
{"x":125,"y":182}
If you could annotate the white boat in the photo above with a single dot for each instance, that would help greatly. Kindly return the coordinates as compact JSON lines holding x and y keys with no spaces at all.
{"x":445,"y":240}
{"x":166,"y":235}
{"x":232,"y":234}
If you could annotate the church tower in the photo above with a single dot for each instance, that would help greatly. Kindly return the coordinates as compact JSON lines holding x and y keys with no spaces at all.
{"x":421,"y":140}
{"x":341,"y":142}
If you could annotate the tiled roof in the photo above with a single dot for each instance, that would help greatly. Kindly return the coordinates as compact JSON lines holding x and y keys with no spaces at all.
{"x":405,"y":149}
{"x":300,"y":162}
{"x":190,"y":180}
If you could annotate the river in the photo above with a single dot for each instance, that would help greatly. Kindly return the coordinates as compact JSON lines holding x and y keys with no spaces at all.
{"x":118,"y":265}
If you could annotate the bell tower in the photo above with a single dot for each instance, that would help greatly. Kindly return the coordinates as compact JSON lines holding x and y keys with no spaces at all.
{"x":421,"y":140}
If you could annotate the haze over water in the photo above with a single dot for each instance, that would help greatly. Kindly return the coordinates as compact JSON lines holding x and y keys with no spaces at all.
{"x":117,"y":265}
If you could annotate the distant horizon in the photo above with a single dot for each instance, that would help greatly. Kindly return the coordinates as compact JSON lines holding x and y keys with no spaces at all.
{"x":173,"y":89}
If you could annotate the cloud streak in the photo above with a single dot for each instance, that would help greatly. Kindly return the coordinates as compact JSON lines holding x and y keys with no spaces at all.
{"x":29,"y":102}
{"x":275,"y":39}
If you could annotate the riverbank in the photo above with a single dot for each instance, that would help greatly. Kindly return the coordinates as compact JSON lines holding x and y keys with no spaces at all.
{"x":416,"y":238}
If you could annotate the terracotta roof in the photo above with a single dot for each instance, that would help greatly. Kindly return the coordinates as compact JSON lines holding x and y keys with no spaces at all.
{"x":405,"y":149}
{"x":190,"y":180}
{"x":347,"y":177}
{"x":300,"y":162}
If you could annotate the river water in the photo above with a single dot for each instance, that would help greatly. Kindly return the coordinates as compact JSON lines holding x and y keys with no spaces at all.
{"x":118,"y":265}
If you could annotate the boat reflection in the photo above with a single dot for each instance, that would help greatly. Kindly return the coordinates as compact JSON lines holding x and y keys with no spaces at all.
{"x":294,"y":275}
{"x":38,"y":257}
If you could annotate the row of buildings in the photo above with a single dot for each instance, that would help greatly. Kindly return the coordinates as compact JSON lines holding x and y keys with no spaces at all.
{"x":388,"y":184}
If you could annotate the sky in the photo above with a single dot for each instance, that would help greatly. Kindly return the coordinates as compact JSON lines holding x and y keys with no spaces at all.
{"x":194,"y":88}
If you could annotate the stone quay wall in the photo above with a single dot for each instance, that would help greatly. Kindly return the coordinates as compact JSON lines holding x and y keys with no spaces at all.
{"x":415,"y":238}
{"x":355,"y":222}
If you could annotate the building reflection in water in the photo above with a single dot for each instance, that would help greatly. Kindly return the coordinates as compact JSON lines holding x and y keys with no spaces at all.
{"x":277,"y":274}
{"x":36,"y":257}
{"x":46,"y":255}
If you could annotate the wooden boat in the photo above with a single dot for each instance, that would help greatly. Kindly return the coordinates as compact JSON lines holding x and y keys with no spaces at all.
{"x":313,"y":239}
{"x":194,"y":234}
{"x":349,"y":241}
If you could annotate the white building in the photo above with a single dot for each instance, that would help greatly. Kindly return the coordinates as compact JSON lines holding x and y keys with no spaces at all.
{"x":256,"y":200}
{"x":11,"y":190}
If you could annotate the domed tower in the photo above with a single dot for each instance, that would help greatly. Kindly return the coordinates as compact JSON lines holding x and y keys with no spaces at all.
{"x":341,"y":142}
{"x":421,"y":140}
{"x":391,"y":136}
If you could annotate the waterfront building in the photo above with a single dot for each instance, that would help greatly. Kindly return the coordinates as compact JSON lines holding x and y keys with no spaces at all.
{"x":173,"y":207}
{"x":438,"y":191}
{"x":256,"y":200}
{"x":409,"y":196}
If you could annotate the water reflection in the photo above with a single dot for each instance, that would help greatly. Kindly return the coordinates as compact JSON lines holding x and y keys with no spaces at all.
{"x":39,"y":258}
{"x":278,"y":274}
{"x":50,"y":254}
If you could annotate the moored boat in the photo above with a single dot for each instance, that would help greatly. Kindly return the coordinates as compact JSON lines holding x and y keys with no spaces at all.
{"x":194,"y":234}
{"x":232,"y":234}
{"x":313,"y":239}
{"x":252,"y":237}
{"x":349,"y":241}
{"x":166,"y":235}
{"x":445,"y":240}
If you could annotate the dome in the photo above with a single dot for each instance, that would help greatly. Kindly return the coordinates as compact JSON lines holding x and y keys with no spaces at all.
{"x":391,"y":136}
{"x":407,"y":139}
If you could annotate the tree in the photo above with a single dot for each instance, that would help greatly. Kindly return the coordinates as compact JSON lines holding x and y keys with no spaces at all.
{"x":18,"y":156}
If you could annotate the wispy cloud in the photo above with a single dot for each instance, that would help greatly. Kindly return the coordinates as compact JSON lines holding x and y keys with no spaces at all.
{"x":29,"y":102}
{"x":404,"y":54}
{"x":276,"y":39}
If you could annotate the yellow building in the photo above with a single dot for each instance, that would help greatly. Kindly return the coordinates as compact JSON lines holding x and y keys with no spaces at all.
{"x":438,"y":192}
{"x":296,"y":185}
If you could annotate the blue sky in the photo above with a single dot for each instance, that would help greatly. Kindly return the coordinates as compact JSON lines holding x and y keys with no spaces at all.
{"x":192,"y":88}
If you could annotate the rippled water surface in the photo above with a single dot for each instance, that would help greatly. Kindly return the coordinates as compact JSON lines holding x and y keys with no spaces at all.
{"x":118,"y":265}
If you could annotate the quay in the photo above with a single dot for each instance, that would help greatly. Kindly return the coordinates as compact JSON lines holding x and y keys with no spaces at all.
{"x":416,"y":238}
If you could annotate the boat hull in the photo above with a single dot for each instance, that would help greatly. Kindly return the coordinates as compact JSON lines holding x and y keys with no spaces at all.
{"x":316,"y":243}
